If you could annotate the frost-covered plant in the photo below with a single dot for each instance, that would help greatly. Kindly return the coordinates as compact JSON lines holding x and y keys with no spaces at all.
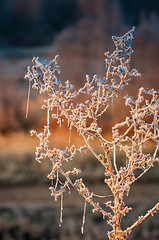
{"x":130,"y":136}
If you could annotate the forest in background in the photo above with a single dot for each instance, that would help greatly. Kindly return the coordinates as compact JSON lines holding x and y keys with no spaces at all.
{"x":80,"y":32}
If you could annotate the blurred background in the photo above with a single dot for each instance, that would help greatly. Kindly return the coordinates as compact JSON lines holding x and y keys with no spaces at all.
{"x":80,"y":32}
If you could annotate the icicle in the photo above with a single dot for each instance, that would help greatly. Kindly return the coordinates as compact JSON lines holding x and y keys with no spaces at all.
{"x":27,"y":108}
{"x":48,"y":116}
{"x":57,"y":179}
{"x":68,"y":123}
{"x":70,"y":135}
{"x":84,"y":217}
{"x":115,"y":159}
{"x":99,"y":196}
{"x":155,"y":153}
{"x":61,"y":212}
{"x":96,"y":195}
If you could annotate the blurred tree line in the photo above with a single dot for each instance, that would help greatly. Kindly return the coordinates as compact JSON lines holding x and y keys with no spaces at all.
{"x":36,"y":22}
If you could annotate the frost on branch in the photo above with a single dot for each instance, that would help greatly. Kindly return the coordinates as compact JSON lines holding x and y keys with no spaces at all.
{"x":129,"y":137}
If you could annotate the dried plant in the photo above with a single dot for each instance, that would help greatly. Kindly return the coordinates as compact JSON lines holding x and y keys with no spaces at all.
{"x":130,"y":136}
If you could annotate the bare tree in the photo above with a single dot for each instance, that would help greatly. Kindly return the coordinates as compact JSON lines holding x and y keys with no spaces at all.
{"x":130,"y":136}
